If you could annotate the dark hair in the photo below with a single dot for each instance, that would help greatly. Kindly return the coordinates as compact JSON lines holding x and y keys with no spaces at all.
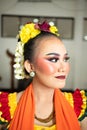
{"x":31,"y":45}
{"x":29,"y":52}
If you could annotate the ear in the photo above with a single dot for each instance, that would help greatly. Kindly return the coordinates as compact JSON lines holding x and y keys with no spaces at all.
{"x":27,"y":66}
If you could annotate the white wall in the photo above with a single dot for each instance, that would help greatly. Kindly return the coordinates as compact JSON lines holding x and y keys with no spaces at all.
{"x":76,"y":47}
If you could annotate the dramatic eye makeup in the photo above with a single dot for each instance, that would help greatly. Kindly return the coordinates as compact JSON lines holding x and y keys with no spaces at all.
{"x":66,"y":58}
{"x":54,"y":57}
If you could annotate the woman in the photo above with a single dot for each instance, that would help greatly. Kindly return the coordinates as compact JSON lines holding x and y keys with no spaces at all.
{"x":42,"y":57}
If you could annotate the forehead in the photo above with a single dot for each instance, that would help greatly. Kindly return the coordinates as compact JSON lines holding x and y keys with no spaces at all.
{"x":50,"y":45}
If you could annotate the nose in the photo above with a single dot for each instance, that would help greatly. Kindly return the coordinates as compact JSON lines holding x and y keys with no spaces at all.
{"x":61,"y":70}
{"x":61,"y":67}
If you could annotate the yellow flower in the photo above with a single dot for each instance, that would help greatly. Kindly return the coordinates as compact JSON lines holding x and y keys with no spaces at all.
{"x":27,"y":32}
{"x":69,"y":97}
{"x":1,"y":118}
{"x":12,"y":102}
{"x":83,"y":106}
{"x":54,"y":30}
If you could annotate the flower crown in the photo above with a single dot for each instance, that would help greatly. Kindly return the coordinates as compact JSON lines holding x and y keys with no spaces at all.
{"x":27,"y":32}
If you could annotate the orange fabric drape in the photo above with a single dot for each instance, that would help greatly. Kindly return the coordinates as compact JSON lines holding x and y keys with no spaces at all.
{"x":24,"y":115}
{"x":66,"y":118}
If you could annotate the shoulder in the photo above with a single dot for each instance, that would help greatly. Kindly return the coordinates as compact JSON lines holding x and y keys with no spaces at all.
{"x":83,"y":124}
{"x":18,"y":96}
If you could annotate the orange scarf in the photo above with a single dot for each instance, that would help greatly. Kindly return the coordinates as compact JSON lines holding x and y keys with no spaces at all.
{"x":24,"y":115}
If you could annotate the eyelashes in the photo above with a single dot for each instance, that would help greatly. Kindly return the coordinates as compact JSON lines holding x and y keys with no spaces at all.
{"x":54,"y":59}
{"x":66,"y":59}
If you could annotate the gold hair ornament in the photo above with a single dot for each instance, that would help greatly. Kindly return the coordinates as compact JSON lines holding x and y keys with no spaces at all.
{"x":27,"y":32}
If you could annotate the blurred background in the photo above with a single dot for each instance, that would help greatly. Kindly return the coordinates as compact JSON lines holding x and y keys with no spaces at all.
{"x":71,"y":18}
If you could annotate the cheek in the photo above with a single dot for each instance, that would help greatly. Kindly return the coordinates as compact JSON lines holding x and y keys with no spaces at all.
{"x":68,"y":68}
{"x":45,"y":66}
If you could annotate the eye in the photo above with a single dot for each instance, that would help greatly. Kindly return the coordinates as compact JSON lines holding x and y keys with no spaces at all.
{"x":53,"y":59}
{"x":66,"y":59}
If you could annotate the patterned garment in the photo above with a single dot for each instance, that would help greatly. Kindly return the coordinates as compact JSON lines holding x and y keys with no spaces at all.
{"x":8,"y":104}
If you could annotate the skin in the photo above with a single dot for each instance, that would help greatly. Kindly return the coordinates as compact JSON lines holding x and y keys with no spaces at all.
{"x":84,"y":124}
{"x":50,"y":61}
{"x":44,"y":81}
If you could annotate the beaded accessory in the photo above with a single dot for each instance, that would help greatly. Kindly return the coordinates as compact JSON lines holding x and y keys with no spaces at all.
{"x":27,"y":32}
{"x":32,"y":74}
{"x":46,"y":120}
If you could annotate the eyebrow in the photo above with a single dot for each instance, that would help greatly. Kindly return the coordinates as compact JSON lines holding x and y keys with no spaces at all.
{"x":57,"y":54}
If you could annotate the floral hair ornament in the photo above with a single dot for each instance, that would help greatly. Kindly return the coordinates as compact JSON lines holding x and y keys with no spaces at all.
{"x":27,"y":32}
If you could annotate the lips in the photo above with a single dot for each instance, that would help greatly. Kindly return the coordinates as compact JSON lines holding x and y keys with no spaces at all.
{"x":61,"y":77}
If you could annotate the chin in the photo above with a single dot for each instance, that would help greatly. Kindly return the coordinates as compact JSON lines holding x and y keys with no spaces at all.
{"x":61,"y":85}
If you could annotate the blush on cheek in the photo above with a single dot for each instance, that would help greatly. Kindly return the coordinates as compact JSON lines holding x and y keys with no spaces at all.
{"x":45,"y":66}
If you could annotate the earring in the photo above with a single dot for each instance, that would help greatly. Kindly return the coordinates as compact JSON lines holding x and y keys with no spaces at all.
{"x":32,"y":74}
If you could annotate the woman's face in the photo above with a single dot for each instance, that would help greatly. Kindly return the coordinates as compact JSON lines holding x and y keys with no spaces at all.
{"x":51,"y":63}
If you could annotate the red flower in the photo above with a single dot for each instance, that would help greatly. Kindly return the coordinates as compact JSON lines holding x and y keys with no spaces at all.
{"x":44,"y":26}
{"x":77,"y":101}
{"x":4,"y":108}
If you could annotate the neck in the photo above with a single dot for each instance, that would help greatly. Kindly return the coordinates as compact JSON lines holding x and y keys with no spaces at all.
{"x":43,"y":93}
{"x":43,"y":100}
